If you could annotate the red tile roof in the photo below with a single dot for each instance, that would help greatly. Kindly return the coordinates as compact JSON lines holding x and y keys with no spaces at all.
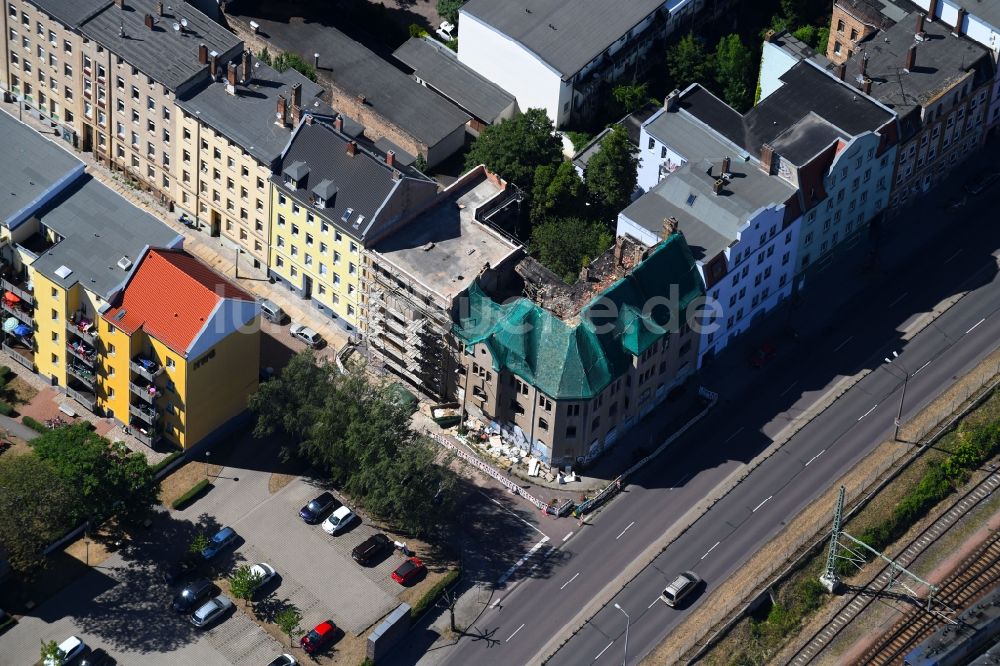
{"x":171,"y":295}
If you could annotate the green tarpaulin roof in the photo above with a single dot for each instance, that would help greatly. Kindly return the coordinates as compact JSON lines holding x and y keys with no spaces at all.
{"x":579,"y":361}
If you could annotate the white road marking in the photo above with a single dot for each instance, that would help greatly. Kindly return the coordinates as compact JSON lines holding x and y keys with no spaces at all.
{"x":603,"y":651}
{"x":899,"y":298}
{"x":921,"y":367}
{"x":654,"y":603}
{"x":710,"y":550}
{"x":842,"y":344}
{"x":625,"y":530}
{"x":815,"y":456}
{"x":735,"y":434}
{"x":499,"y":504}
{"x":524,"y":558}
{"x":957,"y":252}
{"x":867,"y":413}
{"x":570,"y":580}
{"x":762,"y":504}
{"x":566,"y":538}
{"x":975,"y":325}
{"x":515,"y":633}
{"x":790,"y":387}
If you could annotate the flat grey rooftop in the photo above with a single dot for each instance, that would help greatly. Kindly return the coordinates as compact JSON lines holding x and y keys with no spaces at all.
{"x":689,"y":137}
{"x":32,"y":166}
{"x":98,"y":228}
{"x":435,"y":63}
{"x":798,"y":49}
{"x":806,"y":139}
{"x":247,"y":118}
{"x":567,"y":34}
{"x":446,"y":248}
{"x":71,"y":12}
{"x":988,"y":10}
{"x":170,"y":57}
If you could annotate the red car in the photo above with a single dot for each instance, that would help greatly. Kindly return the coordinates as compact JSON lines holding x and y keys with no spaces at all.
{"x":321,"y":636}
{"x":408,"y":571}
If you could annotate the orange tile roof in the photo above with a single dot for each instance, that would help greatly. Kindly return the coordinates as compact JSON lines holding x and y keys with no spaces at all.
{"x":171,"y":295}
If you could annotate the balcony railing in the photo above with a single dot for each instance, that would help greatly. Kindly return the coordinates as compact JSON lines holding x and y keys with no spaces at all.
{"x":82,"y":352}
{"x":22,"y":355}
{"x":86,"y":398}
{"x":145,"y":368}
{"x":23,"y":315}
{"x":144,"y":413}
{"x":145,"y":434}
{"x":87,"y":335}
{"x":84,"y":374}
{"x":19,"y":289}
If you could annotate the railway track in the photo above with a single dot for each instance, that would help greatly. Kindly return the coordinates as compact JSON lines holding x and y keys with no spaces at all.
{"x":875,"y":588}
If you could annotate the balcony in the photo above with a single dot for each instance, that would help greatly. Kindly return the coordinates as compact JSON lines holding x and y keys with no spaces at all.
{"x":83,"y":374}
{"x":144,"y":413}
{"x":144,"y":390}
{"x":145,"y":368}
{"x":17,"y":309}
{"x":82,"y":395}
{"x":19,"y":287}
{"x":20,"y":353}
{"x":82,"y":352}
{"x":82,"y":327}
{"x":144,"y":433}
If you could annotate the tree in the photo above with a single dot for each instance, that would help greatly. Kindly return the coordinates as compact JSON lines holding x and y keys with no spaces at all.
{"x":611,"y":173}
{"x":556,"y":189}
{"x":631,"y":97}
{"x":565,"y":245}
{"x":515,"y":147}
{"x":288,"y":620}
{"x":287,"y":60}
{"x":199,"y":542}
{"x":733,"y":71}
{"x":51,"y":652}
{"x":35,"y":509}
{"x":448,"y":10}
{"x":687,"y":61}
{"x":243,"y":582}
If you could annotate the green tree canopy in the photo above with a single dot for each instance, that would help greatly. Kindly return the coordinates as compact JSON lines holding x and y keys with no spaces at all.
{"x":288,"y":620}
{"x":564,"y":245}
{"x":631,"y":96}
{"x":514,"y":148}
{"x":688,"y":62}
{"x":611,"y":173}
{"x":448,"y":10}
{"x":556,"y":190}
{"x":243,"y":582}
{"x":734,"y":71}
{"x":35,"y":509}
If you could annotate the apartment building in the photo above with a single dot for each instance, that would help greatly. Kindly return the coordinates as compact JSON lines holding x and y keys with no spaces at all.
{"x":332,"y":196}
{"x":567,"y":370}
{"x":853,"y":22}
{"x":411,"y":280}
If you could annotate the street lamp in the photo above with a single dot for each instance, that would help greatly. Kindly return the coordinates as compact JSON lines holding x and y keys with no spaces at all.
{"x":902,"y":395}
{"x":627,"y":622}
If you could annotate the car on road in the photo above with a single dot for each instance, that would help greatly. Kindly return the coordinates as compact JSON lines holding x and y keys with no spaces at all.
{"x":314,"y":511}
{"x":409,"y":571}
{"x":680,"y":587}
{"x":321,"y":636}
{"x":193,"y":595}
{"x":982,"y":183}
{"x":368,"y":550}
{"x":338,"y":520}
{"x":68,"y":650}
{"x":265,"y":572}
{"x":305,"y":334}
{"x":763,"y":354}
{"x":180,"y":569}
{"x":97,"y":657}
{"x":272,"y":312}
{"x":283,"y":660}
{"x":211,"y":611}
{"x":225,"y":538}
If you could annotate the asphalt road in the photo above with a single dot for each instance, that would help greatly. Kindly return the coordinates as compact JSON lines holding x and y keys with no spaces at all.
{"x":863,"y":332}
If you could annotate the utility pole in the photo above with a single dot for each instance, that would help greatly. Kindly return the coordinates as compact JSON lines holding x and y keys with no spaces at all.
{"x":829,"y":579}
{"x":902,"y":396}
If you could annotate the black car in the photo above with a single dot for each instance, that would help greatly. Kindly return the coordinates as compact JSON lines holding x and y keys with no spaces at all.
{"x":193,"y":595}
{"x":181,"y":569}
{"x":97,"y":658}
{"x":367,"y":551}
{"x":314,"y":511}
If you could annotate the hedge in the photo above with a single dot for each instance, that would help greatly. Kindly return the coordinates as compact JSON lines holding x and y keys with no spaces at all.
{"x":34,"y":424}
{"x":166,"y":461}
{"x":431,"y":595}
{"x":188,"y":497}
{"x":6,"y":408}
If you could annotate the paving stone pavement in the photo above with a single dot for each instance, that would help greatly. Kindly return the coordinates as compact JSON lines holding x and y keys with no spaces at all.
{"x":241,"y":640}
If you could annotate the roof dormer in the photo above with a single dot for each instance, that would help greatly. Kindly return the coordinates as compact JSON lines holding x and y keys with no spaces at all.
{"x":295,"y":175}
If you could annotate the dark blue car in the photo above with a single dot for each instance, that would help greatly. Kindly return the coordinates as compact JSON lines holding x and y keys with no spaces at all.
{"x":314,"y":511}
{"x":219,"y":542}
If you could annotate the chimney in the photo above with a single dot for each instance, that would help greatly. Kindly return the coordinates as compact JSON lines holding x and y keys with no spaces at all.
{"x":718,"y":185}
{"x":727,"y":163}
{"x":390,"y":158}
{"x":670,"y":226}
{"x":148,"y":21}
{"x":911,"y":58}
{"x":670,"y":103}
{"x":766,"y":158}
{"x":769,"y":36}
{"x":282,"y":111}
{"x":159,"y":9}
{"x":618,"y":250}
{"x":959,"y":20}
{"x":932,"y":10}
{"x":866,"y":86}
{"x":296,"y":115}
{"x":352,"y":148}
{"x":231,"y":74}
{"x":920,"y":24}
{"x":120,"y":4}
{"x":309,"y":119}
{"x":864,"y":63}
{"x":840,"y":70}
{"x":214,"y":65}
{"x":247,"y":67}
{"x":297,"y":94}
{"x":338,"y":124}
{"x":203,"y":54}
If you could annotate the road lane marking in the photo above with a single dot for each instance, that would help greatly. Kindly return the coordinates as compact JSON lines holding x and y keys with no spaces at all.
{"x":570,"y":580}
{"x":922,"y":367}
{"x":815,"y":456}
{"x":899,"y":298}
{"x":841,"y":345}
{"x":957,"y":252}
{"x":867,"y":413}
{"x":522,"y":560}
{"x":735,"y":434}
{"x":625,"y":530}
{"x":499,"y":504}
{"x":604,"y":650}
{"x":975,"y":325}
{"x":710,"y":550}
{"x":653,"y":604}
{"x":790,"y":387}
{"x":566,"y":538}
{"x":762,"y":504}
{"x":515,"y":633}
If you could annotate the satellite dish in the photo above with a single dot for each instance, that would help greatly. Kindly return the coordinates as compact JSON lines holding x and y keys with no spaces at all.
{"x":177,"y":27}
{"x":184,"y":22}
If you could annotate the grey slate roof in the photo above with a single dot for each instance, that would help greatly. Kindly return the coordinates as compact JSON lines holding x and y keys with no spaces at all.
{"x":71,"y":12}
{"x":688,"y":137}
{"x":247,"y":118}
{"x":98,"y":228}
{"x":437,"y":65}
{"x":32,"y":166}
{"x":162,"y":53}
{"x":567,"y":34}
{"x":806,"y":138}
{"x":365,"y":183}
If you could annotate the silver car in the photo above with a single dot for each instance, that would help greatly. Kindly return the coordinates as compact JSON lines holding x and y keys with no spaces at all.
{"x":680,"y":587}
{"x":211,"y":611}
{"x":306,"y":335}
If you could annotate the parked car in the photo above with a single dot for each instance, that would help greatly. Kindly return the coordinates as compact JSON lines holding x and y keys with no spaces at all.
{"x":313,"y":512}
{"x":69,"y":649}
{"x":265,"y":571}
{"x":369,"y":549}
{"x":283,"y":660}
{"x":211,"y":611}
{"x":338,"y":520}
{"x":221,"y":541}
{"x":408,"y":571}
{"x":306,"y":335}
{"x":193,"y":595}
{"x":321,"y":636}
{"x":272,"y":312}
{"x":97,"y":658}
{"x":982,"y":183}
{"x":181,"y":569}
{"x":680,"y":587}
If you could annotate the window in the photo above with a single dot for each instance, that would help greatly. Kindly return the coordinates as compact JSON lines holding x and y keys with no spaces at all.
{"x":836,"y":48}
{"x":840,"y":25}
{"x":135,"y":93}
{"x":171,"y":364}
{"x":854,"y":35}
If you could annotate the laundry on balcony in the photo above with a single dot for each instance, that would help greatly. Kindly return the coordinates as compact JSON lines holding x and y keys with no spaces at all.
{"x":21,"y":330}
{"x":83,"y":349}
{"x":82,"y":324}
{"x":82,"y":371}
{"x":11,"y":298}
{"x":10,"y":324}
{"x":147,"y":365}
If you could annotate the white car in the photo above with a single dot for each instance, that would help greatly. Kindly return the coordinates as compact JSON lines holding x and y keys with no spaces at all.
{"x":264,"y":571}
{"x":306,"y":335}
{"x":338,"y":520}
{"x":211,"y":611}
{"x":68,"y":649}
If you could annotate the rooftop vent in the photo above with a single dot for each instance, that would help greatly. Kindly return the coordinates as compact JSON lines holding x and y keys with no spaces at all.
{"x":124,"y":263}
